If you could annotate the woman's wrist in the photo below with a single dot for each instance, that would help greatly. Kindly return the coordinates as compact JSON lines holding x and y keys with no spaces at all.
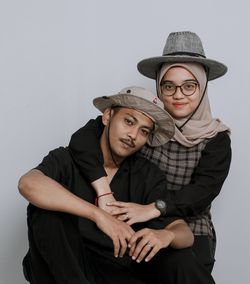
{"x":153,"y":211}
{"x":101,"y":186}
{"x":102,"y":195}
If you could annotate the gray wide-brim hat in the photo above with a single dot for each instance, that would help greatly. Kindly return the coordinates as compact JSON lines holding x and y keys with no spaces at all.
{"x":182,"y":47}
{"x":146,"y":102}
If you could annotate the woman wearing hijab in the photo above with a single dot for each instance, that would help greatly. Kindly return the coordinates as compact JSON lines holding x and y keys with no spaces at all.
{"x":196,"y":160}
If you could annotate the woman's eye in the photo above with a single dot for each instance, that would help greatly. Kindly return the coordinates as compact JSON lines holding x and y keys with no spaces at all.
{"x":189,"y":86}
{"x":168,"y":87}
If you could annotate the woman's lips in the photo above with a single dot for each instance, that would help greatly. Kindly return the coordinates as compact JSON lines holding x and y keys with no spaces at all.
{"x":179,"y":105}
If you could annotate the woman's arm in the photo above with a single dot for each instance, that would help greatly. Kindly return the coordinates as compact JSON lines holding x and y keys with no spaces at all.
{"x":132,"y":213}
{"x":85,"y":149}
{"x":190,"y":200}
{"x":207,"y":179}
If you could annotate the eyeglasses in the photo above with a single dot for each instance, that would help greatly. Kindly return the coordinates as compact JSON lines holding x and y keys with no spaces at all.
{"x":187,"y":88}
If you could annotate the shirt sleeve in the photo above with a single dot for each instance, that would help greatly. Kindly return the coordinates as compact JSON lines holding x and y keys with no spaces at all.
{"x":207,"y":179}
{"x":85,"y":150}
{"x":154,"y":187}
{"x":54,"y":165}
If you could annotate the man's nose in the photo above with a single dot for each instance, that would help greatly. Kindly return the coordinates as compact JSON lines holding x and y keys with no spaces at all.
{"x":133,"y":133}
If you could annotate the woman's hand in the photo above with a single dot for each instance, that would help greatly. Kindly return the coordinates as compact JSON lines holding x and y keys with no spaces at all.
{"x":145,"y":244}
{"x":104,"y":200}
{"x":132,"y":213}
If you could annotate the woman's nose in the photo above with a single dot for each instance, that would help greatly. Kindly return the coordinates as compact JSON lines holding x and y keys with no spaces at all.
{"x":178,"y":93}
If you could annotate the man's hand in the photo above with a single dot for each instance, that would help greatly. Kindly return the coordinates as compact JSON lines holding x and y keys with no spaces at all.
{"x":145,"y":243}
{"x":119,"y":232}
{"x":133,"y":213}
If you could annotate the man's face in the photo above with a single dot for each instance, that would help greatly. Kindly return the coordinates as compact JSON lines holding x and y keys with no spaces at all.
{"x":128,"y":130}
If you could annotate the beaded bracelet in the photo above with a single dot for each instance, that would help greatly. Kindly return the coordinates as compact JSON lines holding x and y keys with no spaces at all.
{"x":96,"y":200}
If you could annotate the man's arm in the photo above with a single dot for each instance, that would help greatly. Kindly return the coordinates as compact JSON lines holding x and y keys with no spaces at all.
{"x":46,"y":193}
{"x":182,"y":236}
{"x":145,"y":243}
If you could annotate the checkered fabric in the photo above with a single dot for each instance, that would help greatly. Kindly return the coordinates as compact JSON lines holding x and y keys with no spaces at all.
{"x":178,"y":164}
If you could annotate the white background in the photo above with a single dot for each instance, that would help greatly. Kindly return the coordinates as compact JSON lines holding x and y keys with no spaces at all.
{"x":56,"y":56}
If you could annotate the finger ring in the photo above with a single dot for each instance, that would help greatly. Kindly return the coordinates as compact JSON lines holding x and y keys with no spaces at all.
{"x":150,"y":246}
{"x":127,"y":216}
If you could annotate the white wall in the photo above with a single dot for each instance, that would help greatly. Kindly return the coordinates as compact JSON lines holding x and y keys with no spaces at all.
{"x":56,"y":55}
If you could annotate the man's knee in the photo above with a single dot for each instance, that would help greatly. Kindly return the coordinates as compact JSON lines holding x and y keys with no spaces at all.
{"x":46,"y":227}
{"x":44,"y":221}
{"x":26,"y":267}
{"x":181,"y":265}
{"x":177,"y":258}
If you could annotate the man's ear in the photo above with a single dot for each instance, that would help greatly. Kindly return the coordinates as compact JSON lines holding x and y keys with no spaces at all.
{"x":107,"y":115}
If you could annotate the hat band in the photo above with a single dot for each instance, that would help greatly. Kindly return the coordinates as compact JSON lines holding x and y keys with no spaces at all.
{"x":185,"y":53}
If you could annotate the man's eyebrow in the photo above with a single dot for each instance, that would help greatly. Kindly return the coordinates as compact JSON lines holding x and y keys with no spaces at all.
{"x":129,"y":114}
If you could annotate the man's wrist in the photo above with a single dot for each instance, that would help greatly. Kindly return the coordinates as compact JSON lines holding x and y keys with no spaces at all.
{"x":95,"y":214}
{"x":170,"y":235}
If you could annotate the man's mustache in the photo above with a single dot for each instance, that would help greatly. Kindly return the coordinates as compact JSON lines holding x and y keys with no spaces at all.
{"x":128,"y":142}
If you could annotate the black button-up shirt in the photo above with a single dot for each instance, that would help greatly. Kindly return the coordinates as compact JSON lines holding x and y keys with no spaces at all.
{"x":137,"y":180}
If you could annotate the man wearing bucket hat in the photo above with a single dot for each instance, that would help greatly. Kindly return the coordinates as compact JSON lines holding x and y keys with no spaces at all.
{"x":196,"y":160}
{"x":73,"y":241}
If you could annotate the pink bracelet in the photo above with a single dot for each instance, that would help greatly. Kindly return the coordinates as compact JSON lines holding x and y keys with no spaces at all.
{"x":96,"y":200}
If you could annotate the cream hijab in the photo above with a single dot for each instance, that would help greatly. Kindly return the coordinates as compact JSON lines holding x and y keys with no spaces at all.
{"x":201,"y":125}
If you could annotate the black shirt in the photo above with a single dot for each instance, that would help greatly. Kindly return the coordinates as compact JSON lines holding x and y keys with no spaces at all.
{"x":192,"y":199}
{"x":137,"y":180}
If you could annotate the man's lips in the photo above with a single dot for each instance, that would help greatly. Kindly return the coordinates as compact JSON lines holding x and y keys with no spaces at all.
{"x":128,"y":142}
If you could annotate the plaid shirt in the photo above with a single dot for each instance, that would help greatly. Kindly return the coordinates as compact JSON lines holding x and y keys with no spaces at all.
{"x":178,"y":163}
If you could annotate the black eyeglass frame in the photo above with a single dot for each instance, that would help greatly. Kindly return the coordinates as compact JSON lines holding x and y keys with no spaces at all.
{"x":179,"y":86}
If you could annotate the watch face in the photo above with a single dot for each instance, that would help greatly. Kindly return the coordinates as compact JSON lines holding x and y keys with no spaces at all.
{"x":161,"y":204}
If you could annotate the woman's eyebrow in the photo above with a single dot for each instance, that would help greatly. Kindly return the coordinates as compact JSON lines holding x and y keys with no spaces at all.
{"x":170,"y":81}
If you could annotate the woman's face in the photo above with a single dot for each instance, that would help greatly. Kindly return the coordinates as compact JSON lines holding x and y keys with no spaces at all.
{"x":179,"y":105}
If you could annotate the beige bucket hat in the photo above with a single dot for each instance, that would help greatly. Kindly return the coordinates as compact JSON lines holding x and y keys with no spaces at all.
{"x":146,"y":102}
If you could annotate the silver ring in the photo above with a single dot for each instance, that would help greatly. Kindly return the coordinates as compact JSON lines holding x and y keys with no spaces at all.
{"x":150,"y":246}
{"x":127,"y":217}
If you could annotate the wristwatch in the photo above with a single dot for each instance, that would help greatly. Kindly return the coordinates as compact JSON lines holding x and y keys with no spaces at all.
{"x":161,"y":205}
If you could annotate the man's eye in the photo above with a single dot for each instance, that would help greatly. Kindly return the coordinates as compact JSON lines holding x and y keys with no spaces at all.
{"x":145,"y":132}
{"x":128,"y":121}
